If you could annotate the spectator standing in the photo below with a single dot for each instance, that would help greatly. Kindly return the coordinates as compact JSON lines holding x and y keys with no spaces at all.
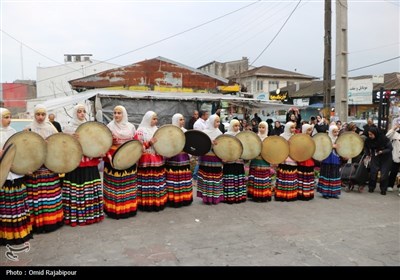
{"x":56,"y":124}
{"x":193,"y":119}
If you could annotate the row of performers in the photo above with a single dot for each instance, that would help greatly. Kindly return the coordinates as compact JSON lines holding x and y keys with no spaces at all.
{"x":40,"y":202}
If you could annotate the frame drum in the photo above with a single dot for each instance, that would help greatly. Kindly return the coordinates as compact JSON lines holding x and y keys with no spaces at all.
{"x":95,"y":138}
{"x":350,"y":144}
{"x":275,"y":149}
{"x":170,"y":140}
{"x":64,"y":153}
{"x":197,"y":143}
{"x":251,"y":143}
{"x":228,"y":148}
{"x":323,"y":146}
{"x":301,"y":147}
{"x":6,"y":161}
{"x":31,"y":152}
{"x":127,"y":154}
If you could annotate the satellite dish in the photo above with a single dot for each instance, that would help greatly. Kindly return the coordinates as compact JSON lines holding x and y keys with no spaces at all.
{"x":278,"y":91}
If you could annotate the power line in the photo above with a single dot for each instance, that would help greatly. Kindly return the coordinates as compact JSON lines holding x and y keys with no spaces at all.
{"x":380,"y":62}
{"x":370,"y":65}
{"x":276,"y":35}
{"x":150,"y":44}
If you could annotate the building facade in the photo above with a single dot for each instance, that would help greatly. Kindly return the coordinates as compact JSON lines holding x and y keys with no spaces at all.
{"x":226,"y":69}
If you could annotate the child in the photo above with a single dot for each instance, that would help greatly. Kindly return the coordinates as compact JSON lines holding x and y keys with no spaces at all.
{"x":209,"y":187}
{"x":259,"y":186}
{"x":286,"y":178}
{"x":178,"y":174}
{"x":305,"y":173}
{"x":15,"y":225}
{"x":233,"y":173}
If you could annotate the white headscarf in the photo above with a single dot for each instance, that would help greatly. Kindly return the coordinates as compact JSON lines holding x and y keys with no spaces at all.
{"x":175,"y":121}
{"x":305,"y":127}
{"x":264,"y":135}
{"x":5,"y":132}
{"x":212,"y":131}
{"x":75,"y":122}
{"x":286,"y":133}
{"x":44,"y":129}
{"x":231,"y":125}
{"x":330,"y":133}
{"x":123,"y":130}
{"x":145,"y":126}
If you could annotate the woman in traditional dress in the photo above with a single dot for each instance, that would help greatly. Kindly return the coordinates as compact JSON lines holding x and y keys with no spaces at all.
{"x":82,"y":188}
{"x":305,"y":172}
{"x":234,"y":180}
{"x":43,"y":185}
{"x":329,"y":183}
{"x":209,"y":186}
{"x":259,"y":186}
{"x":15,"y":225}
{"x":152,"y":191}
{"x":120,"y":186}
{"x":286,"y":177}
{"x":178,"y":174}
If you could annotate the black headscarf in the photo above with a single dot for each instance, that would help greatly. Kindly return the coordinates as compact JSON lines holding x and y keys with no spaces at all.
{"x":379,"y":142}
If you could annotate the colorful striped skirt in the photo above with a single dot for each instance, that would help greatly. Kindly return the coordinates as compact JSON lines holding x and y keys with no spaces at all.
{"x":179,"y":180}
{"x":120,"y":192}
{"x":305,"y":182}
{"x":15,"y":225}
{"x":45,"y":200}
{"x":152,"y":191}
{"x":259,"y":187}
{"x":329,"y":183}
{"x":234,"y":182}
{"x":286,"y":183}
{"x":82,"y":196}
{"x":209,"y":184}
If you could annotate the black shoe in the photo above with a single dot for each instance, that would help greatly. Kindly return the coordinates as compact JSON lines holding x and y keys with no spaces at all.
{"x":370,"y":190}
{"x":383,"y":192}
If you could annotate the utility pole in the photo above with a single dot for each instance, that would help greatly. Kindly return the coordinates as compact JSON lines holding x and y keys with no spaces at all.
{"x":341,"y":84}
{"x":327,"y":57}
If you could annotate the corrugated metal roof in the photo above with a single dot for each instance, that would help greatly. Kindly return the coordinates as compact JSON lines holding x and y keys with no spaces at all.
{"x":193,"y":69}
{"x":268,"y":71}
{"x":158,"y":71}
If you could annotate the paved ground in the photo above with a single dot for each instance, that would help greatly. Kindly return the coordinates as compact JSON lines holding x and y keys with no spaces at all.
{"x":359,"y":229}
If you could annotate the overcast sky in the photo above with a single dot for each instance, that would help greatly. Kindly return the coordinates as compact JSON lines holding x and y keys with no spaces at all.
{"x":47,"y":30}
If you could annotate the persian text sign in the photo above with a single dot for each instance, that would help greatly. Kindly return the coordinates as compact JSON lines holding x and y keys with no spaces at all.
{"x":360,"y":92}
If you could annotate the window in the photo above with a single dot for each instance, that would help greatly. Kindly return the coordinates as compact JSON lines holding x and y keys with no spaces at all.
{"x":273,"y":85}
{"x":260,"y":85}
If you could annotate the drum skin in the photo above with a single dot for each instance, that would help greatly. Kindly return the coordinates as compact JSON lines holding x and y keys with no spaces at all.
{"x":323,"y":146}
{"x":275,"y":149}
{"x":170,"y":140}
{"x":95,"y":138}
{"x":64,"y":153}
{"x":251,"y":143}
{"x":228,"y":148}
{"x":197,"y":143}
{"x":127,"y":154}
{"x":31,"y":151}
{"x":349,"y":144}
{"x":6,"y":160}
{"x":301,"y":147}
